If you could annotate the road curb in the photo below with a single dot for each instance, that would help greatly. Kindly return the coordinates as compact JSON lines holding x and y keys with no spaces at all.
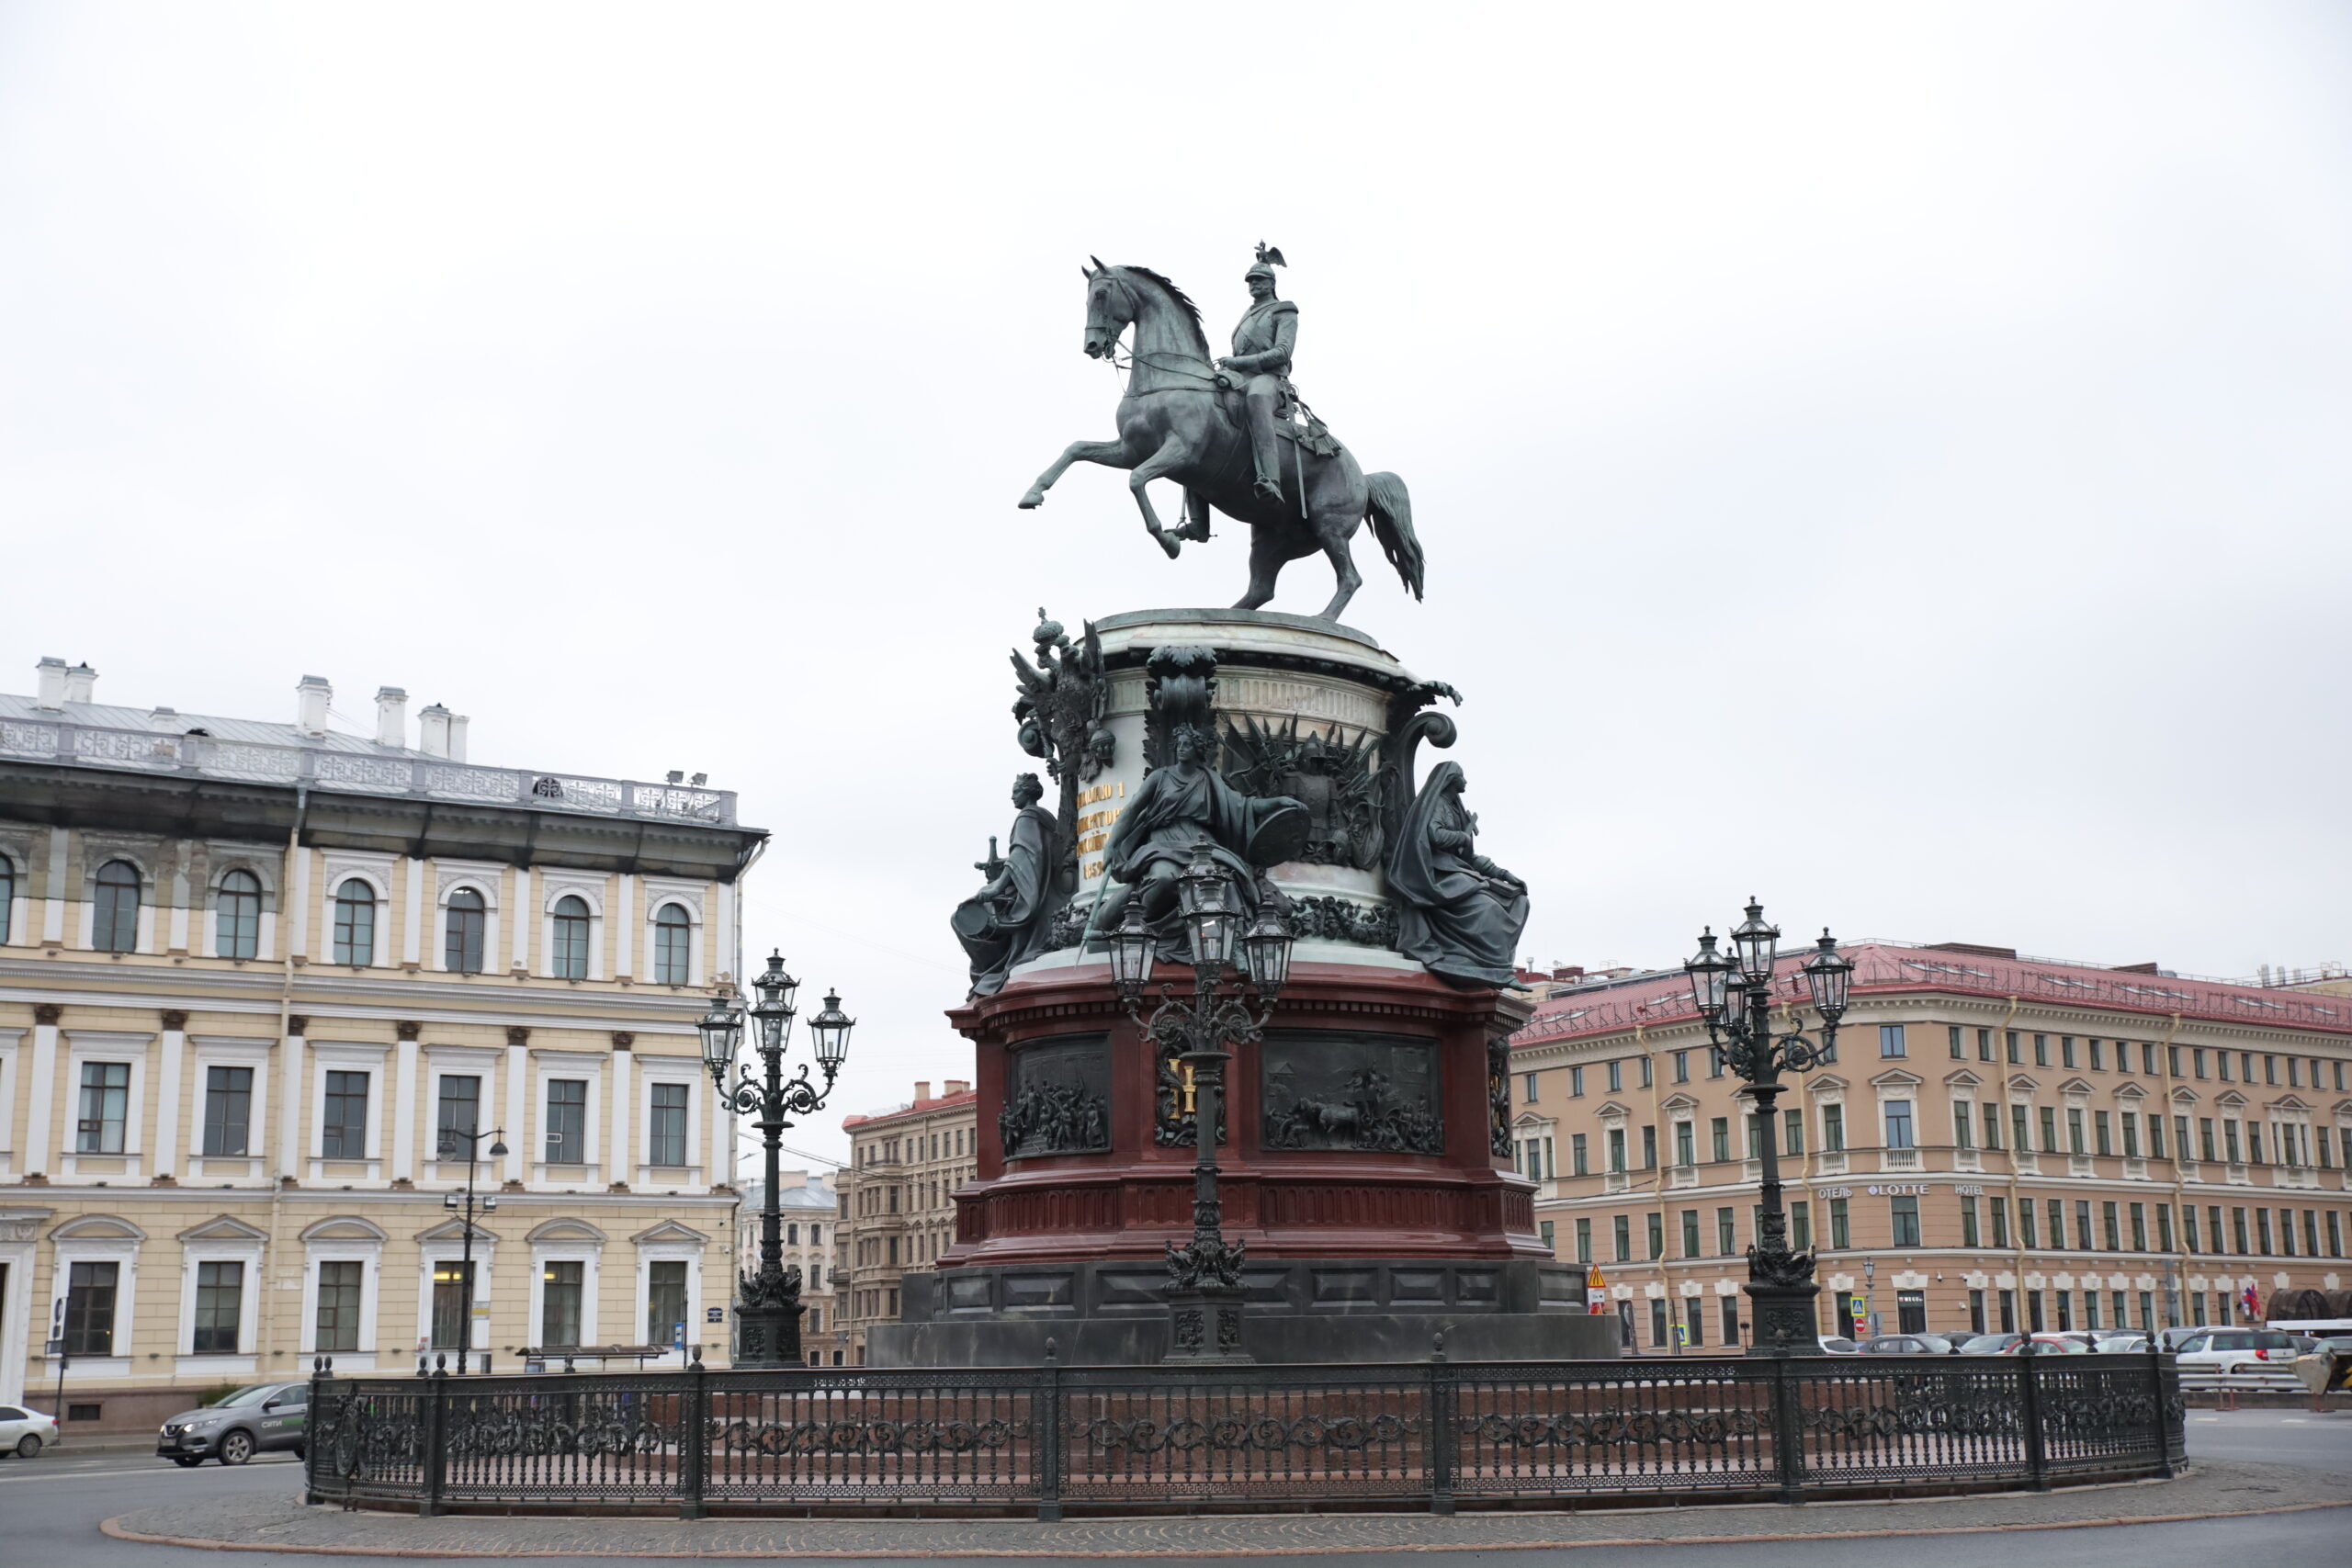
{"x":114,"y":1528}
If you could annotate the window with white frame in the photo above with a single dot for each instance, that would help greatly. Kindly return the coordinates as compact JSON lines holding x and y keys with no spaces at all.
{"x":673,"y":937}
{"x":114,"y":917}
{"x":335,"y":1320}
{"x":106,"y":1109}
{"x":665,"y":1141}
{"x":219,"y":1307}
{"x":566,"y":1121}
{"x":355,"y":923}
{"x":343,"y":1116}
{"x":568,"y":942}
{"x":466,"y":926}
{"x":228,"y":1111}
{"x":236,"y":931}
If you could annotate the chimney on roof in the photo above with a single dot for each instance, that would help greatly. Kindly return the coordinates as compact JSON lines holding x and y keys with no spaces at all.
{"x":432,"y":730}
{"x":52,"y":686}
{"x":312,"y":696}
{"x":164,"y":721}
{"x":923,"y":1089}
{"x":391,"y":716}
{"x":457,"y":723}
{"x":956,"y":1087}
{"x":80,"y":681}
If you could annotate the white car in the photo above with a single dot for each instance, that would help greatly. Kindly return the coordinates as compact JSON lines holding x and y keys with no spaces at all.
{"x":25,"y":1432}
{"x":2227,"y":1350}
{"x":1837,"y":1345}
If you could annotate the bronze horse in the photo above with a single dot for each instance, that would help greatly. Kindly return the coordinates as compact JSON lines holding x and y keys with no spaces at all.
{"x":1179,"y":420}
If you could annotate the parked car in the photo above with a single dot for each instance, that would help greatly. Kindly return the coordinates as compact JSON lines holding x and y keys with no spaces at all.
{"x":1921,"y":1344}
{"x":1992,"y":1344}
{"x":1837,"y":1345}
{"x":2120,"y":1343}
{"x":2229,"y":1350}
{"x":25,"y":1432}
{"x":2171,"y":1340}
{"x":258,"y":1419}
{"x":2055,"y":1345}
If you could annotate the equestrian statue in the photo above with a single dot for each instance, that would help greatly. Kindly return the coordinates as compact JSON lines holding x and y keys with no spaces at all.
{"x":1234,"y":433}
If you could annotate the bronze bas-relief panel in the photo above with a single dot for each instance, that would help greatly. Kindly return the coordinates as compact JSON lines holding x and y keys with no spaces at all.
{"x":1321,"y":1089}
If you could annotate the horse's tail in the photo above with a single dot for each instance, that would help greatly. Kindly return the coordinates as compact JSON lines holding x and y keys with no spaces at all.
{"x":1392,"y":524}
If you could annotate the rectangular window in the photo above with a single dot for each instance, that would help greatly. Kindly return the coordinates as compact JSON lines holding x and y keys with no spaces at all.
{"x":1682,"y":1067}
{"x":450,"y":1297}
{"x":1719,"y":1131}
{"x":665,"y":1141}
{"x":1715,"y":1061}
{"x":1616,"y":1076}
{"x":2122,"y":1064}
{"x":1550,"y":1244}
{"x":1898,"y":1124}
{"x":2101,"y":1133}
{"x":2188,"y":1228}
{"x":559,"y":1287}
{"x":1792,"y":1131}
{"x":1658,"y":1322}
{"x":2109,"y":1229}
{"x":1840,"y":1233}
{"x":2130,"y":1119}
{"x":567,"y":1129}
{"x":2034,"y":1320}
{"x":2083,"y":1242}
{"x":1656,"y":1229}
{"x":1968,"y":1223}
{"x":1577,"y":1161}
{"x":2262,"y":1231}
{"x":1905,"y":1215}
{"x":1964,"y":1130}
{"x":459,"y":1117}
{"x":1622,"y":1225}
{"x":1690,"y":1233}
{"x":1727,"y":1242}
{"x":1800,"y":1225}
{"x":1575,"y":1083}
{"x":89,"y":1308}
{"x":220,"y":1303}
{"x":1731,"y":1319}
{"x":2009,"y":1312}
{"x":2025,"y":1224}
{"x":2335,"y":1235}
{"x":1645,"y":1063}
{"x":1958,"y":1046}
{"x":2205,"y":1136}
{"x":2156,"y":1134}
{"x":2221,"y":1059}
{"x":1686,"y":1143}
{"x":2311,"y":1233}
{"x":1833,"y":1129}
{"x":337,"y":1320}
{"x":1527,"y":1088}
{"x":2139,"y":1227}
{"x":2196,"y":1061}
{"x":228,"y":1110}
{"x":2090,"y":1310}
{"x":1649,"y":1147}
{"x":2074,"y":1129}
{"x":2049,"y":1129}
{"x":1890,"y":1040}
{"x":2010,"y":1043}
{"x":2018,"y":1116}
{"x":1584,"y":1241}
{"x":1617,"y":1148}
{"x":2230,"y":1138}
{"x":665,"y":1302}
{"x":2269,"y":1071}
{"x":2238,"y":1234}
{"x":2000,"y":1207}
{"x":2041,"y":1050}
{"x":1694,"y":1321}
{"x":105,"y":1103}
{"x":342,"y":1127}
{"x":2066,"y":1050}
{"x":1984,"y":1044}
{"x":1992,"y":1127}
{"x":1976,"y":1313}
{"x":2287,"y":1232}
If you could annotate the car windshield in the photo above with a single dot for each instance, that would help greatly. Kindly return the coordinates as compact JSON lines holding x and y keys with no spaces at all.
{"x":253,"y":1396}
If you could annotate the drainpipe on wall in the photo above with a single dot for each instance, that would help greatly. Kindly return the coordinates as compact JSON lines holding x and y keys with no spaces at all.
{"x":285,"y":1014}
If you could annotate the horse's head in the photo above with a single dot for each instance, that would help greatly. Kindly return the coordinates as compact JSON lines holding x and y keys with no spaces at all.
{"x":1110,"y":308}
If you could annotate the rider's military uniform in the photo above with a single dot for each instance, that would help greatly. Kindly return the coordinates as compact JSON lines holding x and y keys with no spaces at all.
{"x":1261,"y":350}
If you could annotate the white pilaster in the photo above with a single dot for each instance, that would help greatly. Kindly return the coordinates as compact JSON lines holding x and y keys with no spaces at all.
{"x":292,"y":1091}
{"x":412,"y":928}
{"x":624,"y":1098}
{"x":52,"y":919}
{"x":40,"y":1106}
{"x":405,"y":1110}
{"x":519,"y":1120}
{"x":171,"y":1112}
{"x":730,"y":938}
{"x":298,"y":906}
{"x":625,"y":927}
{"x":526,"y":917}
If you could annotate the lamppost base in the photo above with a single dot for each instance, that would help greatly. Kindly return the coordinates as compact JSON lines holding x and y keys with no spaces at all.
{"x":1205,"y":1327}
{"x":1781,"y":1320}
{"x":767,"y":1337}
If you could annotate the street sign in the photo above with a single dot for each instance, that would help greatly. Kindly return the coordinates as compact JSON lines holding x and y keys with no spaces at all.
{"x":714,"y":1314}
{"x":53,"y":1347}
{"x":1596,"y":1292}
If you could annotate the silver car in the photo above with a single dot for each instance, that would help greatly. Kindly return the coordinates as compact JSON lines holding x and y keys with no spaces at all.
{"x":253,"y":1420}
{"x":25,"y":1432}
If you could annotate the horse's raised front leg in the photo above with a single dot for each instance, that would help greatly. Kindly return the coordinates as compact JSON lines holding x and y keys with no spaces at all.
{"x":1171,"y":453}
{"x":1110,"y":454}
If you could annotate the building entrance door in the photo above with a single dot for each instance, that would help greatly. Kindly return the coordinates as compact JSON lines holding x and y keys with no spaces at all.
{"x":452,"y":1296}
{"x":1911,"y":1312}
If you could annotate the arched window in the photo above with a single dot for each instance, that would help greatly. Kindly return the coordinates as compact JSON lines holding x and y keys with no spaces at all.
{"x":569,"y":952}
{"x":673,"y":937}
{"x":7,"y":895}
{"x":114,"y":925}
{"x":468,"y":917}
{"x":355,"y":923}
{"x":237,"y":923}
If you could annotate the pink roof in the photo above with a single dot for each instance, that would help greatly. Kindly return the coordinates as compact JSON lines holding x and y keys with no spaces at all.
{"x":1885,"y":968}
{"x":920,"y":1108}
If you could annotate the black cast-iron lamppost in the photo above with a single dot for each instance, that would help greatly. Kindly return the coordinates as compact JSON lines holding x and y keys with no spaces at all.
{"x":1733,"y":992}
{"x":768,"y":1300}
{"x":450,"y":1138}
{"x":1205,"y":1275}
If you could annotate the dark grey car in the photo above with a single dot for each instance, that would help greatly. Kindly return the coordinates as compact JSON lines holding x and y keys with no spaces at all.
{"x":253,"y":1420}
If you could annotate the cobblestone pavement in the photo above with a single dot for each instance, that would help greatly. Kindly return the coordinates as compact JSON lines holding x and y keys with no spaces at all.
{"x":278,"y":1524}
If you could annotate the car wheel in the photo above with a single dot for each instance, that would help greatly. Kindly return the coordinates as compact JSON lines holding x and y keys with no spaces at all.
{"x":301,"y":1453}
{"x":188,"y":1461}
{"x":29,"y":1446}
{"x":236,"y":1448}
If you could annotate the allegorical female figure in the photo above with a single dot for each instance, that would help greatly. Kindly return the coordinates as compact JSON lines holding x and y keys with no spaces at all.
{"x":1459,"y":913}
{"x":1006,"y":921}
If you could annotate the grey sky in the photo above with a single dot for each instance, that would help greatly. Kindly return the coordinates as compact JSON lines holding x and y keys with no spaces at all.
{"x":1905,"y":443}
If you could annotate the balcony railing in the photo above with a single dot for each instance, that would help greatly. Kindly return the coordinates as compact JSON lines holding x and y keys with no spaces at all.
{"x":323,"y":768}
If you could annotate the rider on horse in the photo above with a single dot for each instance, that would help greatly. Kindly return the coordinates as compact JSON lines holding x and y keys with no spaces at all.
{"x":1260,"y":365}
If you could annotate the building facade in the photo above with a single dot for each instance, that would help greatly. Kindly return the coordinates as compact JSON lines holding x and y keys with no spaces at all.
{"x":808,"y":1204}
{"x":258,"y":984}
{"x":2002,"y":1143}
{"x":898,"y":1207}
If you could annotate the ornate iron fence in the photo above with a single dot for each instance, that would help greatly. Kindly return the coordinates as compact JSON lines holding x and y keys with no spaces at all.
{"x":1427,"y":1435}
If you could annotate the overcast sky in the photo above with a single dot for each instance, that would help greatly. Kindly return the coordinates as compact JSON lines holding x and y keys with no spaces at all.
{"x":1894,"y":459}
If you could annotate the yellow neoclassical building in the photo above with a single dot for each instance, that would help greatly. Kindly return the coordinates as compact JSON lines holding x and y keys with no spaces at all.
{"x":260,"y":982}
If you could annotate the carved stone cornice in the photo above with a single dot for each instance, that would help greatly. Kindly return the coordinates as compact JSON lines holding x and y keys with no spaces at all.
{"x":48,"y":1012}
{"x":517,"y":1035}
{"x":175,"y":1020}
{"x":407,"y":1029}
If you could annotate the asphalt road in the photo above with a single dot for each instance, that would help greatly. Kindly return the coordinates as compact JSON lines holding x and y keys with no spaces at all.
{"x":50,"y":1510}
